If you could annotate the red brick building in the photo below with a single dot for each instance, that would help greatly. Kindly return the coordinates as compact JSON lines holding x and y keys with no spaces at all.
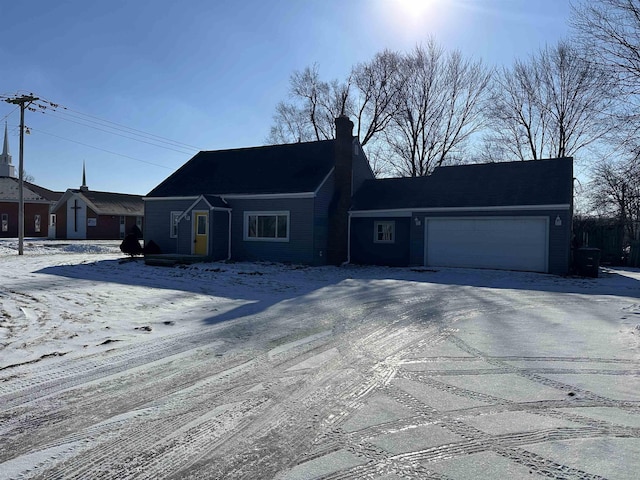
{"x":74,"y":214}
{"x":86,"y":214}
{"x":37,"y":201}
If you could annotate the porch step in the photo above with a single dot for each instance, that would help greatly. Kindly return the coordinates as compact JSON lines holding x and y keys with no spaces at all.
{"x":170,"y":260}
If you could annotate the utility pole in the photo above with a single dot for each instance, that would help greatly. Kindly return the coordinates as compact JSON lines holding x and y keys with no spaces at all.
{"x":24,"y":101}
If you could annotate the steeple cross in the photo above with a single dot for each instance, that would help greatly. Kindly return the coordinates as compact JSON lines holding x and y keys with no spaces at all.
{"x":75,"y":209}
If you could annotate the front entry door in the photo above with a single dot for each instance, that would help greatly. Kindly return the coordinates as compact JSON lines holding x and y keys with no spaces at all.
{"x":200,"y":232}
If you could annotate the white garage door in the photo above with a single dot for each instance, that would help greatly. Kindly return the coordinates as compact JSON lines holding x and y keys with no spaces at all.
{"x":506,"y":243}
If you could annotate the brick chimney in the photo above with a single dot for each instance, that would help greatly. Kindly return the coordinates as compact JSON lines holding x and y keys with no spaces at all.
{"x":341,"y":202}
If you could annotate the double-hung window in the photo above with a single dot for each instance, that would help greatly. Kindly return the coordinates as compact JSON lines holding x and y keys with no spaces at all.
{"x":269,"y":226}
{"x":384,"y":232}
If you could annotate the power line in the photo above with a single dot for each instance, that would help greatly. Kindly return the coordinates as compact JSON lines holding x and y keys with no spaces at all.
{"x":101,"y":149}
{"x":130,"y":131}
{"x":10,"y":113}
{"x":59,"y":108}
{"x":59,"y":111}
{"x":123,"y":136}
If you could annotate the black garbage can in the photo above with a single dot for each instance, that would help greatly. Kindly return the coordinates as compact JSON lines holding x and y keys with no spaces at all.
{"x":587,"y":261}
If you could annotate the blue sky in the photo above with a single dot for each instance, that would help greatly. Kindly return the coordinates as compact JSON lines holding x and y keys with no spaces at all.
{"x":208,"y":73}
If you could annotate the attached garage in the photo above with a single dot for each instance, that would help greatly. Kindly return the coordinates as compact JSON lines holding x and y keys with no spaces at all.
{"x":509,"y":243}
{"x":505,"y":215}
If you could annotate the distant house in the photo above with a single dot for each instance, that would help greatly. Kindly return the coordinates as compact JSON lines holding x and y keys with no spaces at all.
{"x":87,"y":214}
{"x":37,"y":201}
{"x":319,"y":203}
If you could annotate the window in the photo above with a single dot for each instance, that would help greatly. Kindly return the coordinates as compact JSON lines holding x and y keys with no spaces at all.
{"x":201,"y":224}
{"x":36,"y":222}
{"x":384,"y":232}
{"x":271,"y":226}
{"x":52,"y":220}
{"x":173,"y":224}
{"x":5,"y":222}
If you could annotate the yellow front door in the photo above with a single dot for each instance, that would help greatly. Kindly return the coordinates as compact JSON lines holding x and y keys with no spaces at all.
{"x":200,"y":232}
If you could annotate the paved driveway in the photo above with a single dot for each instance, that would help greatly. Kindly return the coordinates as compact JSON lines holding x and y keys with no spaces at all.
{"x":360,"y":373}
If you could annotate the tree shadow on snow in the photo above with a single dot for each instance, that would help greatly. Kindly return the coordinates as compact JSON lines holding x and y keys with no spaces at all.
{"x":256,"y":286}
{"x":260,"y":286}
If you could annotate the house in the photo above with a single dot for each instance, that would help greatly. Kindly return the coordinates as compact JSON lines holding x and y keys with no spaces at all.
{"x":275,"y":202}
{"x":37,"y":200}
{"x":86,"y":214}
{"x":319,"y":203}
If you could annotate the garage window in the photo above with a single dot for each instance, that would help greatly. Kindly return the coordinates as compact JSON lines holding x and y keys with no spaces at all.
{"x":384,"y":232}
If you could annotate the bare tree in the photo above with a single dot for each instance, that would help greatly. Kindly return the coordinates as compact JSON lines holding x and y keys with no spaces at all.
{"x":368,"y":96}
{"x":312,"y":109}
{"x":412,"y":112}
{"x":438,"y":111}
{"x":377,"y":85}
{"x":553,"y":105}
{"x":609,"y":30}
{"x":615,"y":192}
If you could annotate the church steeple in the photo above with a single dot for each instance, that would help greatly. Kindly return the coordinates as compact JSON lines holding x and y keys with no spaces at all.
{"x":84,"y":187}
{"x":6,"y":168}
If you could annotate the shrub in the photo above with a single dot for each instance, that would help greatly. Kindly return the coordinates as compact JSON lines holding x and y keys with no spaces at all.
{"x":130,"y":245}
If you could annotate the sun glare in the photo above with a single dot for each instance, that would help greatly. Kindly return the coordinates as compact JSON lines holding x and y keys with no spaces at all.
{"x":415,"y":9}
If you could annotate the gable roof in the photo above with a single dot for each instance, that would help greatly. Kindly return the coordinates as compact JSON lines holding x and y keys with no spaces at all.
{"x":31,"y":193}
{"x":272,"y":169}
{"x":45,"y":192}
{"x":534,"y":182}
{"x":106,"y":203}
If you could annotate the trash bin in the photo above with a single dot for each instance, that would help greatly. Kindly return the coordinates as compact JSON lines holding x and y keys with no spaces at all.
{"x":587,"y":261}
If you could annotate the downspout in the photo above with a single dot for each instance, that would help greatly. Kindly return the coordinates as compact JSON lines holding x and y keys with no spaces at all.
{"x":229,"y":244}
{"x":348,"y":240}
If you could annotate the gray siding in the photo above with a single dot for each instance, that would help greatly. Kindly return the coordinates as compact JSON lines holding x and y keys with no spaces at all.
{"x":364,"y":250}
{"x":559,"y":236}
{"x":219,"y":238}
{"x":299,"y":248}
{"x":184,"y":244}
{"x":157,"y":222}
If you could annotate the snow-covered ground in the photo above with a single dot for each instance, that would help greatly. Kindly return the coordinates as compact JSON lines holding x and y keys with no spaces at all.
{"x":113,"y":369}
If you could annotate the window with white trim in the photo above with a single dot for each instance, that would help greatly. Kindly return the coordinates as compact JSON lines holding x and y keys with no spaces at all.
{"x":173,"y":224}
{"x":384,"y":232}
{"x":5,"y":222}
{"x":36,"y":223}
{"x":269,"y":226}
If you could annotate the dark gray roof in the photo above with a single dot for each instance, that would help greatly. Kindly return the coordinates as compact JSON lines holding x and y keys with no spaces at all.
{"x":9,"y":188}
{"x":110,"y":203}
{"x":45,"y":192}
{"x":216,"y":201}
{"x":290,"y":168}
{"x":535,"y":182}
